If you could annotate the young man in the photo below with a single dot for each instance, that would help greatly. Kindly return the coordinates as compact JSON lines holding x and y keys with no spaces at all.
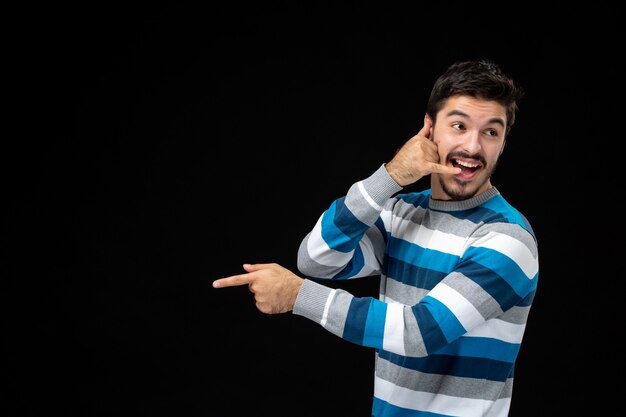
{"x":458,"y":264}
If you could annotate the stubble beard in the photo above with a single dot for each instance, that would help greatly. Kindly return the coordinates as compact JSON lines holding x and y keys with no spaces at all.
{"x":457,"y":189}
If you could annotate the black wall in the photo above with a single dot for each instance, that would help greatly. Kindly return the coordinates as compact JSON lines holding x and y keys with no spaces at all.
{"x":160,"y":148}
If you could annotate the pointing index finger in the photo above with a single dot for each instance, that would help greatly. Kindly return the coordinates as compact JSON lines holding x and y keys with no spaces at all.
{"x":232,"y":281}
{"x":444,"y":169}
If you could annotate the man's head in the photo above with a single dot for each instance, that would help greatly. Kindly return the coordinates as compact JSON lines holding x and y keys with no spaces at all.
{"x":481,"y":79}
{"x":471,"y":108}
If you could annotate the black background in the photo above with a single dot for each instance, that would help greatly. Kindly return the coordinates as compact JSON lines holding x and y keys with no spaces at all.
{"x":159,"y":148}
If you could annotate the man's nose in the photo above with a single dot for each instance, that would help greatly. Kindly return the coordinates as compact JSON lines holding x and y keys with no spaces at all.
{"x":471,"y":143}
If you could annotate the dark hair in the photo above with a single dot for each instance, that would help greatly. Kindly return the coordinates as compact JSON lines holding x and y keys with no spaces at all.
{"x":481,"y":79}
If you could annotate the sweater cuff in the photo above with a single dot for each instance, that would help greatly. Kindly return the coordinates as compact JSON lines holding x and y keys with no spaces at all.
{"x":312,"y":300}
{"x":380,"y":186}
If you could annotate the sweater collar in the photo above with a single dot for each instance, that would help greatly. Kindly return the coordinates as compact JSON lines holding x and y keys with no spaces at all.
{"x":470,"y":203}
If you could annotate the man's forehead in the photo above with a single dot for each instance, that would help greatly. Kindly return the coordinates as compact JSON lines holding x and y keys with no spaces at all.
{"x":473,"y":108}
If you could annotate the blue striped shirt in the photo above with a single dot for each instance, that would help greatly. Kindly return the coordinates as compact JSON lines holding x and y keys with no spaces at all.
{"x":457,"y":282}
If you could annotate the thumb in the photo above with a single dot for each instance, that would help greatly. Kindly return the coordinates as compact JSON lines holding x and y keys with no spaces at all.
{"x":425,"y":130}
{"x":258,"y":267}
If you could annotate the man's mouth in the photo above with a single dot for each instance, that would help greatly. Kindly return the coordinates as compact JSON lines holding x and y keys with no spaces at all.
{"x":468,"y":168}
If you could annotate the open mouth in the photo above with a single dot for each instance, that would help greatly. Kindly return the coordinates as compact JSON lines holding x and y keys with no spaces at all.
{"x":468,"y":168}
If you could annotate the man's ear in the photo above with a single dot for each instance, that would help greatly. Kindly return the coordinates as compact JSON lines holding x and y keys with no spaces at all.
{"x":502,"y":149}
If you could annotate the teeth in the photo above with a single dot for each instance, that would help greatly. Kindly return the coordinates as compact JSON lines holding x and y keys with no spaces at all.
{"x":466,"y":164}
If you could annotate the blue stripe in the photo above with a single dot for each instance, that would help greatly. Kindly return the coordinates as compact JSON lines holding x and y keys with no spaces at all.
{"x":420,"y":199}
{"x":356,"y":319}
{"x":528,"y":227}
{"x":495,"y":286}
{"x":429,"y":328}
{"x":496,"y":209}
{"x":342,"y":239}
{"x":381,"y":408}
{"x":448,"y":322}
{"x":528,"y":300}
{"x":410,"y":274}
{"x":419,"y":256}
{"x":487,"y":262}
{"x":500,"y":205}
{"x":462,"y":366}
{"x":375,"y":326}
{"x":381,"y":227}
{"x":354,"y":266}
{"x":482,"y":347}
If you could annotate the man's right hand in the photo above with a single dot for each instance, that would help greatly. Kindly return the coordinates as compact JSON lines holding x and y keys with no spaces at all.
{"x":416,"y":158}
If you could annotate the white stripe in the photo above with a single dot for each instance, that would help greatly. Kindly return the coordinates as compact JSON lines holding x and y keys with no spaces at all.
{"x":512,"y":248}
{"x":387,"y":217}
{"x":329,"y":301}
{"x":431,"y":239}
{"x":435,"y":403}
{"x":367,"y":197}
{"x":500,"y":408}
{"x":457,"y":245}
{"x":499,"y":329}
{"x":369,"y":256}
{"x":393,"y":340}
{"x":464,"y":311}
{"x":366,"y":271}
{"x":493,"y":328}
{"x":390,"y":300}
{"x":321,"y":253}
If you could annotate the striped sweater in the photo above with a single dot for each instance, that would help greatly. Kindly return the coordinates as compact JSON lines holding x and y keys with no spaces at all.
{"x":457,"y":279}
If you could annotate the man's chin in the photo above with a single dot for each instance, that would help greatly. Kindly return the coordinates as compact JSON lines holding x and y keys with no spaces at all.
{"x":458,"y":190}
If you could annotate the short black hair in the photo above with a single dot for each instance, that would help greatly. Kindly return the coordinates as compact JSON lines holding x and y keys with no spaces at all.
{"x":481,"y":79}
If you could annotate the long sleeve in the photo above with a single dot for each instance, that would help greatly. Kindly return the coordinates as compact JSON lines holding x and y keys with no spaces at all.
{"x":348,"y":239}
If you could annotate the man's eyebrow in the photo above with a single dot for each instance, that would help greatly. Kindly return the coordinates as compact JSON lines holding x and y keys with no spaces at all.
{"x":497,"y":120}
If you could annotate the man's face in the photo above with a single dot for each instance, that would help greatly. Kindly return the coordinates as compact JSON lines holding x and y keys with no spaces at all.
{"x":469,"y":134}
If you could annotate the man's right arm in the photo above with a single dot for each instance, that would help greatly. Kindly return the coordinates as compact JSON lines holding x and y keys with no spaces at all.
{"x":348,"y":239}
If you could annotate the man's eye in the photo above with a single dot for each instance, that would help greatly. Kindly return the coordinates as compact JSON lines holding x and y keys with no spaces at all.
{"x":492,"y":132}
{"x":458,"y":126}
